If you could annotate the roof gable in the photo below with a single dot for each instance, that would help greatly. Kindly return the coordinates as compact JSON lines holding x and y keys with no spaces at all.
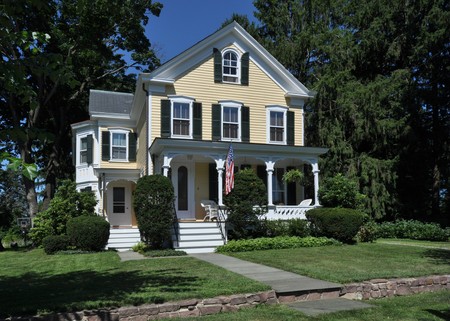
{"x":231,"y":35}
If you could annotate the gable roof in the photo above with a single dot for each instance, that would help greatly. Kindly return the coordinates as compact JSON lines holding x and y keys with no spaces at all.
{"x":233,"y":34}
{"x":109,"y":102}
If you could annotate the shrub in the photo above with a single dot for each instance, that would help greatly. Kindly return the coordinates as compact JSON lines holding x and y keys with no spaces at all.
{"x":140,"y":247}
{"x":88,"y":233}
{"x":245,"y":203}
{"x":281,"y":242}
{"x":55,"y":243}
{"x":412,"y":229}
{"x":294,"y":227}
{"x":67,"y":203}
{"x":339,"y":223}
{"x":368,"y":232}
{"x":298,"y":227}
{"x":340,"y":191}
{"x":153,"y":205}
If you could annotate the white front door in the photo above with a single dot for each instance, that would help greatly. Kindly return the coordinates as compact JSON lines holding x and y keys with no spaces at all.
{"x":183,"y":176}
{"x":119,"y":203}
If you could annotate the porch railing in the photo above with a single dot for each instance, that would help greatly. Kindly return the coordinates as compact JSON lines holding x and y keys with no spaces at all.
{"x":222,"y":221}
{"x":287,"y":212}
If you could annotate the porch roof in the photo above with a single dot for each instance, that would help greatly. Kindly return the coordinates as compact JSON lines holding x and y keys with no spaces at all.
{"x":170,"y":146}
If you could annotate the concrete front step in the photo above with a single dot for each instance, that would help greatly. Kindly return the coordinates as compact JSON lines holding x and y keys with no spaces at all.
{"x":198,"y":237}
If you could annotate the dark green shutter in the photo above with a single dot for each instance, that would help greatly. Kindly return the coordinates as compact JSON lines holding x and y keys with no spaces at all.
{"x":132,"y":142}
{"x":197,"y":125}
{"x":216,"y":121}
{"x":261,"y":172}
{"x":290,"y":135}
{"x":245,"y":124}
{"x":217,"y":66}
{"x":90,"y":146}
{"x":165,"y":118}
{"x":105,"y":146}
{"x":245,"y":69}
{"x":213,"y":182}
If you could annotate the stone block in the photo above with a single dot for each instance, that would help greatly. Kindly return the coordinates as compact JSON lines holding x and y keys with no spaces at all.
{"x":193,"y":313}
{"x":429,"y":281}
{"x":374,"y":287}
{"x":391,"y":285}
{"x":375,"y":294}
{"x":149,"y":309}
{"x":376,"y":281}
{"x":366,"y":295}
{"x":383,"y":293}
{"x":403,"y":290}
{"x":272,"y":301}
{"x":186,"y":303}
{"x":237,"y":299}
{"x":367,"y":287}
{"x":224,"y":299}
{"x":127,"y":312}
{"x":253,"y":298}
{"x":382,"y":286}
{"x":229,"y":308}
{"x":302,"y":297}
{"x":286,"y":298}
{"x":313,"y":296}
{"x":390,"y":293}
{"x":353,"y":296}
{"x":168,"y":307}
{"x":209,"y":309}
{"x":211,"y":301}
{"x":137,"y":318}
{"x":330,"y":295}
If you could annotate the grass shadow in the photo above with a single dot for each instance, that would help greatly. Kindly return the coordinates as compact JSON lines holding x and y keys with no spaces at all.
{"x":443,"y":314}
{"x":439,"y":256}
{"x":31,"y":293}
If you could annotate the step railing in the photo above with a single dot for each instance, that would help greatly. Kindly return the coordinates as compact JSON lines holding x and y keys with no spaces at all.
{"x":222,"y":221}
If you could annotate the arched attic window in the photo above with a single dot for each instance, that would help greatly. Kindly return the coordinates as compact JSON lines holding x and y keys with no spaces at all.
{"x":229,"y":67}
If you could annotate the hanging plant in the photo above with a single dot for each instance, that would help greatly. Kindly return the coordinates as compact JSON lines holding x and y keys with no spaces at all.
{"x":293,"y":176}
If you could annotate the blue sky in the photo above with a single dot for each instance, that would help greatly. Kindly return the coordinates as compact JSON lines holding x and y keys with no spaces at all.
{"x":182,"y":23}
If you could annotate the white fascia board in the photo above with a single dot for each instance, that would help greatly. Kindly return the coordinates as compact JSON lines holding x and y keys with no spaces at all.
{"x":99,"y":115}
{"x":84,"y":124}
{"x":117,"y":123}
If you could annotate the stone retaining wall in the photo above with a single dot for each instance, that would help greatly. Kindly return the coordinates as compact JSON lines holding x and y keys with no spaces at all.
{"x":185,"y":308}
{"x":381,"y":288}
{"x":372,"y":289}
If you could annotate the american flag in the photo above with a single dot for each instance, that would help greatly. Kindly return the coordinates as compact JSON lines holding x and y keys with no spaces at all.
{"x":229,"y":171}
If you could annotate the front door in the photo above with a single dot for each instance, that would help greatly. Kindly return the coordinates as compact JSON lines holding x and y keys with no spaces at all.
{"x":183,"y":183}
{"x":119,"y":204}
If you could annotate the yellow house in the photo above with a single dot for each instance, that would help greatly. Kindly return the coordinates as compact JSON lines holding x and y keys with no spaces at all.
{"x":180,"y":121}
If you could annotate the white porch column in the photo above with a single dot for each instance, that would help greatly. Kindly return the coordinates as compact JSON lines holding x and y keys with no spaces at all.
{"x":220,"y":164}
{"x":315,"y":170}
{"x":166,"y":165}
{"x":269,"y":169}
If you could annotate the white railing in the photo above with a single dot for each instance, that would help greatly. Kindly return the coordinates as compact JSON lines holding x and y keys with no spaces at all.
{"x":287,"y":212}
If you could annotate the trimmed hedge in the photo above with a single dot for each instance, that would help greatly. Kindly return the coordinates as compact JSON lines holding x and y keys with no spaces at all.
{"x":55,"y":243}
{"x":293,"y":227}
{"x":88,"y":233}
{"x":412,"y":229}
{"x":339,"y":223}
{"x":281,"y":242}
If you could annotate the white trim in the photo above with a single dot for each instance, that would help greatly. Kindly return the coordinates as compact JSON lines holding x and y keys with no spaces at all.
{"x":231,"y":104}
{"x":113,"y":131}
{"x":181,"y":100}
{"x":238,"y":67}
{"x":281,"y":109}
{"x":79,"y":150}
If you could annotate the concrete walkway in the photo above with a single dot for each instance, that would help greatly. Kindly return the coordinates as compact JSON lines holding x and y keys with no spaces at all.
{"x":130,"y":256}
{"x":287,"y":283}
{"x":281,"y":281}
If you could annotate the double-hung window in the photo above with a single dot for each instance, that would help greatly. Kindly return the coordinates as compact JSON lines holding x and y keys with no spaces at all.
{"x":231,"y":120}
{"x":230,"y":63}
{"x":276,"y":121}
{"x":119,"y":146}
{"x":83,"y":150}
{"x":181,"y":117}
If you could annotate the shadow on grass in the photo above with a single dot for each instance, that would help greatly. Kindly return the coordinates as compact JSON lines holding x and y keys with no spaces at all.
{"x":34,"y":292}
{"x":439,"y":256}
{"x":443,"y":314}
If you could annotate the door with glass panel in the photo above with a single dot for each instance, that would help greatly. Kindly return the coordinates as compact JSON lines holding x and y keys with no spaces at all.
{"x":119,"y":204}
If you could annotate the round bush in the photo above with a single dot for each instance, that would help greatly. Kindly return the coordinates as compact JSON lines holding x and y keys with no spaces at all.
{"x":88,"y":233}
{"x":339,"y":223}
{"x":55,"y":243}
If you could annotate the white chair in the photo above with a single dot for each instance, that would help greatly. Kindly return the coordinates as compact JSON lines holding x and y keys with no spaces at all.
{"x":211,"y":210}
{"x":306,"y":202}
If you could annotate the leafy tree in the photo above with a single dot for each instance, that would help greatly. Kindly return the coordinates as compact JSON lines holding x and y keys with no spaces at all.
{"x":53,"y":52}
{"x":246,"y":201}
{"x":153,"y":205}
{"x":339,"y":191}
{"x":66,"y":204}
{"x":379,"y":69}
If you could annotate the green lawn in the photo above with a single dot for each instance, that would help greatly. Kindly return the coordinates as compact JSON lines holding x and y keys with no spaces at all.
{"x":33,"y":282}
{"x":350,"y":263}
{"x":426,"y":306}
{"x":428,"y":244}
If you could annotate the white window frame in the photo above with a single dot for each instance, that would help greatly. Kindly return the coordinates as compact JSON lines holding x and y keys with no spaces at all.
{"x":230,"y":104}
{"x":280,"y":109}
{"x":238,"y":67}
{"x":80,"y":139}
{"x":111,"y":145}
{"x":181,"y":100}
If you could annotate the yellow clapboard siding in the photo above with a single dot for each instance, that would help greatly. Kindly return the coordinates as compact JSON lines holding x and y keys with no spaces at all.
{"x":141,"y":156}
{"x":114,"y":164}
{"x":261,"y":92}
